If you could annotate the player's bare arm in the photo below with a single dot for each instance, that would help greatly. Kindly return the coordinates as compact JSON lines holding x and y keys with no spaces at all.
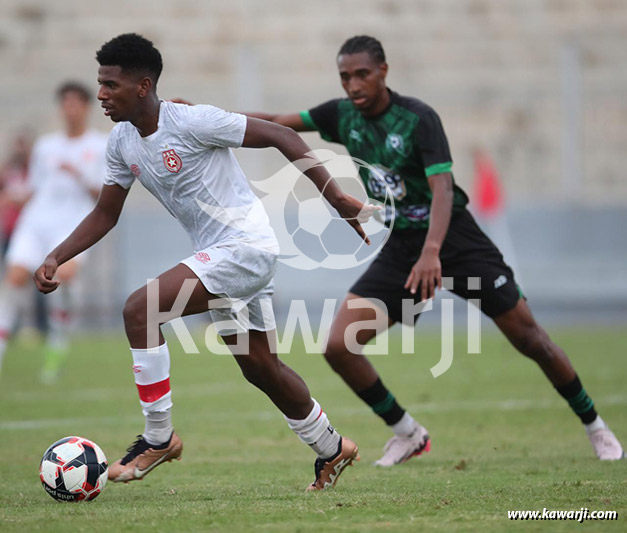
{"x":292,"y":120}
{"x":264,"y":134}
{"x":427,"y":272}
{"x":94,"y":226}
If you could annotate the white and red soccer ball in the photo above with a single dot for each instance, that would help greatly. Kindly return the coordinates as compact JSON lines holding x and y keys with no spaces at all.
{"x":73,"y":469}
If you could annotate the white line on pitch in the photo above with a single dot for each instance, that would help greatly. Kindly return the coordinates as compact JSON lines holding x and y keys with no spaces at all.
{"x":267,"y":414}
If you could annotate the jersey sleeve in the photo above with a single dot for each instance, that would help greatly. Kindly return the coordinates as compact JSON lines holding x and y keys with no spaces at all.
{"x":323,"y":118}
{"x":117,"y":173}
{"x":214,"y":127}
{"x":433,"y":146}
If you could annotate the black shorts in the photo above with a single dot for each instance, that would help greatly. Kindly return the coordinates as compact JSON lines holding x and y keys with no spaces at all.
{"x":466,"y":253}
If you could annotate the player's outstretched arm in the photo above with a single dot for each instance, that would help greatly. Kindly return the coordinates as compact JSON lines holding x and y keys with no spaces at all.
{"x":94,"y":227}
{"x":292,"y":120}
{"x":263,"y":134}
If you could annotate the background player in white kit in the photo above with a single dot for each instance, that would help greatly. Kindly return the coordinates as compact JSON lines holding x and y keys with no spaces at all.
{"x":182,"y":155}
{"x":65,"y":175}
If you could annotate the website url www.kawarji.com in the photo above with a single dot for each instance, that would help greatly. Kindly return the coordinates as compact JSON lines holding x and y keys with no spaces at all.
{"x":581,"y":515}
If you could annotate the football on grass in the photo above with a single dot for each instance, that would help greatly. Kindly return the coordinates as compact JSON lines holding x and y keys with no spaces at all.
{"x":73,"y":469}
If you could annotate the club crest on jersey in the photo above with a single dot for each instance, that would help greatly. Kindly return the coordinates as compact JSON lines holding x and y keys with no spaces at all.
{"x":135,"y":171}
{"x":172,"y":161}
{"x":203,"y":257}
{"x":395,"y":142}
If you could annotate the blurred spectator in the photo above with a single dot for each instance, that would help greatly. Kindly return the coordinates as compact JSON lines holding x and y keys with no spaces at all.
{"x":14,"y":193}
{"x":65,"y":176}
{"x":14,"y":189}
{"x":489,"y":206}
{"x":489,"y":199}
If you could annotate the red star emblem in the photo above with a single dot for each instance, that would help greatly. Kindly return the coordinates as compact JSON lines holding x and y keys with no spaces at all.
{"x":172,"y":161}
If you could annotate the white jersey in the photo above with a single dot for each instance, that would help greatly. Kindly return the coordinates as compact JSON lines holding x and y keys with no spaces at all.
{"x":61,"y":172}
{"x":58,"y":194}
{"x":188,"y":166}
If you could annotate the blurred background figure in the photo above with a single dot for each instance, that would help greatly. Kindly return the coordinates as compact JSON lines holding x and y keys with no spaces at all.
{"x":65,"y":175}
{"x":489,"y":206}
{"x":488,"y":190}
{"x":14,"y":193}
{"x":14,"y":190}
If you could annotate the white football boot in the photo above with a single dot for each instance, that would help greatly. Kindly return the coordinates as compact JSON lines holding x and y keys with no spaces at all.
{"x":399,"y":449}
{"x":605,"y":444}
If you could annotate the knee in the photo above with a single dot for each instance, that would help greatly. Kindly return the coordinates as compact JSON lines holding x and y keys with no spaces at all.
{"x":67,"y":271}
{"x":135,"y":313}
{"x":17,"y":276}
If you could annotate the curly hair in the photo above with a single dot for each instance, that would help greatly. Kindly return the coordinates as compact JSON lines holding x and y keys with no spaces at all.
{"x":363,"y":43}
{"x":131,"y":52}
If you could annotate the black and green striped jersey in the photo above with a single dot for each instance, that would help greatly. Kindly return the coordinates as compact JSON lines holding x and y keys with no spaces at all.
{"x":406,"y":144}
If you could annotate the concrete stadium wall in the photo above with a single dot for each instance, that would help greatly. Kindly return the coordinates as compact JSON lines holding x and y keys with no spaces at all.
{"x":494,"y":69}
{"x":530,"y":81}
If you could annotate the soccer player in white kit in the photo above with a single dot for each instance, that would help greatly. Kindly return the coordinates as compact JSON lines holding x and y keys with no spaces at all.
{"x":65,"y":175}
{"x":182,"y":155}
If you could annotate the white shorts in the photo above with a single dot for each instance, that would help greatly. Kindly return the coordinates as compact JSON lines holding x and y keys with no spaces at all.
{"x":241,"y":275}
{"x":35,"y":237}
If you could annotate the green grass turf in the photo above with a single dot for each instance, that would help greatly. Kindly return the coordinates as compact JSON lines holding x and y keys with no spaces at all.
{"x":502,"y":439}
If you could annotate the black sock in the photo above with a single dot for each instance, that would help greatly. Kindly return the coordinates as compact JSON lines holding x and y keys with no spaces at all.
{"x":382,"y":402}
{"x":578,"y":399}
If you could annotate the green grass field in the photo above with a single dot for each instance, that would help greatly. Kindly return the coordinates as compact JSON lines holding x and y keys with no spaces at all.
{"x":502,"y":439}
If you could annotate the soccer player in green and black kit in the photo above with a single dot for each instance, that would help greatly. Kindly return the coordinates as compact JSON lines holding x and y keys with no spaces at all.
{"x":433,"y":236}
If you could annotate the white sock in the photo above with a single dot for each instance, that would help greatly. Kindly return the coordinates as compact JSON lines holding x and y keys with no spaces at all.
{"x":151,"y":369}
{"x":596,"y":424}
{"x":3,"y":347}
{"x":4,"y":341}
{"x":12,"y":301}
{"x":59,"y":318}
{"x":158,"y":427}
{"x":405,"y":427}
{"x":316,"y":431}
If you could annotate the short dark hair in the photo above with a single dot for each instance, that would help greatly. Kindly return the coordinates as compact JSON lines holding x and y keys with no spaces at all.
{"x":131,"y":52}
{"x":364,"y":43}
{"x":74,"y":87}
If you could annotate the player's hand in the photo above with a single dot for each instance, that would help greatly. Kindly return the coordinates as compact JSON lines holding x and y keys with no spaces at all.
{"x":44,"y":274}
{"x":355,"y":213}
{"x":426,"y":273}
{"x":71,"y":170}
